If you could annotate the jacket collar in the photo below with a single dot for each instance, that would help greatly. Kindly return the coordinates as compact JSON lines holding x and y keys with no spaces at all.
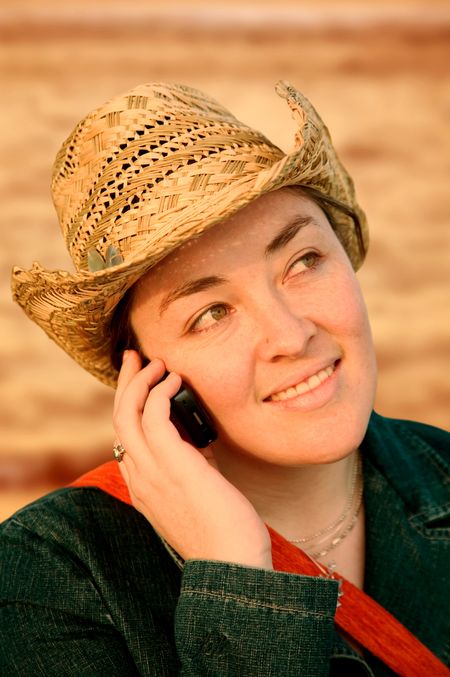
{"x":408,"y":455}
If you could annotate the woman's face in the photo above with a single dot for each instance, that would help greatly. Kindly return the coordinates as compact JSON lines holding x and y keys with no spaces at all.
{"x":262,"y":315}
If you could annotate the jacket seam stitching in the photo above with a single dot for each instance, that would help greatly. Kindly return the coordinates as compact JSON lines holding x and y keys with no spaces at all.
{"x":254,"y":604}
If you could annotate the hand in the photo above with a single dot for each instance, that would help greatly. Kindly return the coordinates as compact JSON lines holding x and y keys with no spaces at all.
{"x":178,"y":488}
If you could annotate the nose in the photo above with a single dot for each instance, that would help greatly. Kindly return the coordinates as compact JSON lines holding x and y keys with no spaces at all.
{"x":282,"y":331}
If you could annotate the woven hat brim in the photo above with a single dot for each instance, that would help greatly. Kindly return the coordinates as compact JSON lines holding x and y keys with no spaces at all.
{"x":67,"y":306}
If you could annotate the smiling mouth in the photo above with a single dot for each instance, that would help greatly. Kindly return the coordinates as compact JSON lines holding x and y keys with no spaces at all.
{"x":304,"y":386}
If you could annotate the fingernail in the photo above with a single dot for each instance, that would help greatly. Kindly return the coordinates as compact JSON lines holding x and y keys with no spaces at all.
{"x":125,"y":356}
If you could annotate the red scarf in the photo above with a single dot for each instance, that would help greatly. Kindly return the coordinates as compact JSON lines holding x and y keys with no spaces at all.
{"x":359,"y":616}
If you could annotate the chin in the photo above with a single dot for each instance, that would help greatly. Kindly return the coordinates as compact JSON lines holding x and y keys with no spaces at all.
{"x":304,"y":441}
{"x":335,"y":438}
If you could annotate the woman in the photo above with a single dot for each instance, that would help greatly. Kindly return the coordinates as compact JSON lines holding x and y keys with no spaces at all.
{"x":207,"y":258}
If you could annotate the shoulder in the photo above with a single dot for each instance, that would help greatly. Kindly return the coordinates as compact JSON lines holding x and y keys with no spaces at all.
{"x":411,"y":438}
{"x":82,"y":520}
{"x":78,"y":535}
{"x":415,"y":459}
{"x":435,"y":438}
{"x":85,"y":573}
{"x":62,"y":513}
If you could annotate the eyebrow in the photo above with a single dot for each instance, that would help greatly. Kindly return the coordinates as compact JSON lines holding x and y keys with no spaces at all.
{"x":287,"y":234}
{"x":200,"y":284}
{"x":190,"y":287}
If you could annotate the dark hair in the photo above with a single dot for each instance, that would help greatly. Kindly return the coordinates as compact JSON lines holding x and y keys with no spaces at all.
{"x":329,"y":205}
{"x":121,"y":332}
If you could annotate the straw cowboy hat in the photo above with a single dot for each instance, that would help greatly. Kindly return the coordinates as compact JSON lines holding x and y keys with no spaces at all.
{"x":147,"y":171}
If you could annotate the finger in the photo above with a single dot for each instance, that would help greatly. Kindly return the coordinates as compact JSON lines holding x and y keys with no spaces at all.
{"x":157,"y":405}
{"x":131,"y":369}
{"x":128,"y":412}
{"x":159,"y":431}
{"x":157,"y":427}
{"x":131,"y":364}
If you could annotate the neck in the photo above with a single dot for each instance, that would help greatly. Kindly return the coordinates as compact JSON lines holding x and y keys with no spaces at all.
{"x":295,"y":501}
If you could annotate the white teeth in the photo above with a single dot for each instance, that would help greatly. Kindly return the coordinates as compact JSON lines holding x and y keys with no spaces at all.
{"x":314,"y":381}
{"x":303,"y":387}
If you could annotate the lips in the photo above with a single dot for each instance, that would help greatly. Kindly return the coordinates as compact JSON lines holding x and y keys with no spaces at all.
{"x":305,"y":385}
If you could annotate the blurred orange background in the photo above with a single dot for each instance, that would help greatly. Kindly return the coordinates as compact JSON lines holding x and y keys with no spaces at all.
{"x":379,"y":74}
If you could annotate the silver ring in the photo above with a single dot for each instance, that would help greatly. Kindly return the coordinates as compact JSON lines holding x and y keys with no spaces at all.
{"x":118,"y":451}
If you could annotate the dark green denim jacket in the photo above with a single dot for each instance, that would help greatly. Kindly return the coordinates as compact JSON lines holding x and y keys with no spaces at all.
{"x":88,"y":588}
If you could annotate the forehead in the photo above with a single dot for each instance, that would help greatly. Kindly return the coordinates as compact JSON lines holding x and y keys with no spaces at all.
{"x":228,"y":243}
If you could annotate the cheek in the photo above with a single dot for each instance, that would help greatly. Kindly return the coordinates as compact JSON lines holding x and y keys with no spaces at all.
{"x":222,"y":374}
{"x":342,"y":316}
{"x":222,"y":380}
{"x":347,"y":310}
{"x":353,"y":329}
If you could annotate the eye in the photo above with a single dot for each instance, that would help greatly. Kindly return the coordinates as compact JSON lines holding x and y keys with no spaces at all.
{"x":305,"y":262}
{"x":210,"y":317}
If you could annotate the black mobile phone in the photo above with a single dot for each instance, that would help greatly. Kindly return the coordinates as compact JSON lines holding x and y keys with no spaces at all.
{"x":188,"y":414}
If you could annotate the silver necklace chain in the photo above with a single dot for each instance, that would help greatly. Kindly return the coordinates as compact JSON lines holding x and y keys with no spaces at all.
{"x":355,"y":500}
{"x":333,"y":526}
{"x":338,"y":539}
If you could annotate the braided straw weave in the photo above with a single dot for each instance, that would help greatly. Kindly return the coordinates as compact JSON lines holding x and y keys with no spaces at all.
{"x":146,"y":172}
